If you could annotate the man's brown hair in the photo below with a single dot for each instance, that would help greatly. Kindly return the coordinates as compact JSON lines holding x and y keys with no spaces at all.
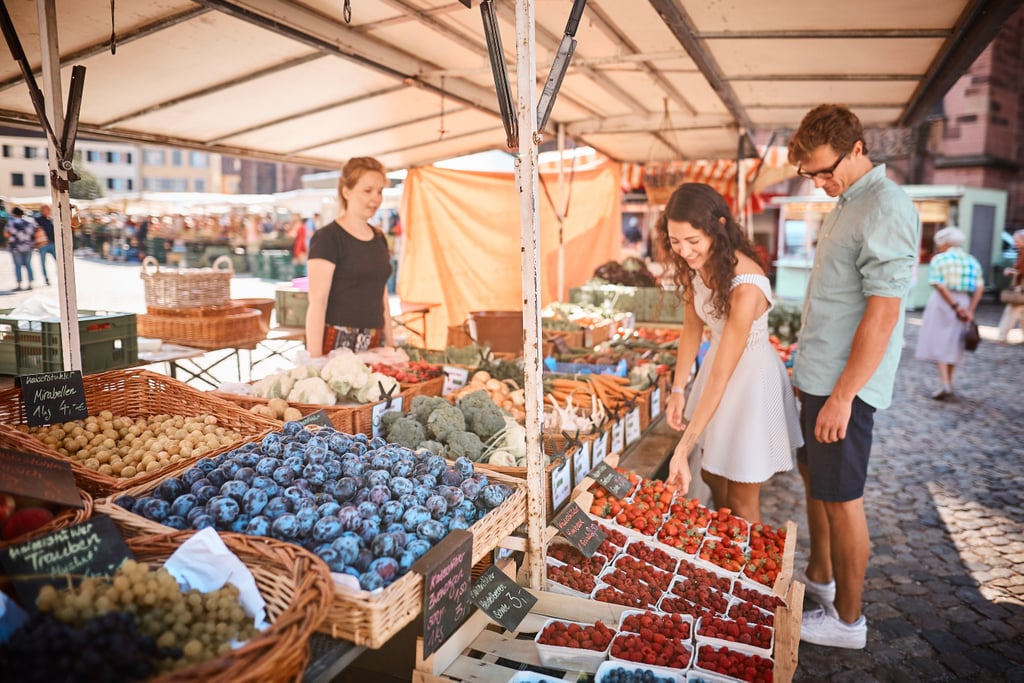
{"x":827,"y":124}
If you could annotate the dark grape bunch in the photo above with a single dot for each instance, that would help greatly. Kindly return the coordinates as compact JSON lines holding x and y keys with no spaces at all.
{"x":108,"y":648}
{"x":199,"y":626}
{"x":621,"y":675}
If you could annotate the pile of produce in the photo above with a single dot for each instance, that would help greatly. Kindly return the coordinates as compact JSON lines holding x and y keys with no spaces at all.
{"x":505,"y":393}
{"x":474,"y":428}
{"x":344,"y":378}
{"x":632,"y":272}
{"x":367,"y":508}
{"x":413,"y":372}
{"x":276,"y":409}
{"x":19,"y":516}
{"x":133,"y":625}
{"x":123,"y":447}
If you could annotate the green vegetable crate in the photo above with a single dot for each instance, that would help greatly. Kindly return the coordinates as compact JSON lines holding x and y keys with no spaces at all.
{"x":109,"y":341}
{"x":290,"y":305}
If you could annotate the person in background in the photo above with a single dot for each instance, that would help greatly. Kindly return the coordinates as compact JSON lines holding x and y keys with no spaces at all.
{"x":1013,"y":314}
{"x":19,"y":231}
{"x":850,"y":342}
{"x":141,"y":236}
{"x":958,"y":284}
{"x":44,"y":221}
{"x":348,"y":268}
{"x":300,"y":241}
{"x":741,"y":411}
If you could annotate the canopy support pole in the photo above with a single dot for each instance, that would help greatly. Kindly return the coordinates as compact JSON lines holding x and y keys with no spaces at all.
{"x":559,"y":212}
{"x":527,"y":177}
{"x":60,"y":166}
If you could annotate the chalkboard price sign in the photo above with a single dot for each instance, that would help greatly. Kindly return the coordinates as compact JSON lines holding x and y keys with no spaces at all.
{"x":446,"y":571}
{"x":317,"y":417}
{"x":579,"y":529}
{"x":93,"y":548}
{"x":36,"y":476}
{"x":501,"y":598}
{"x":53,"y":397}
{"x":611,"y":479}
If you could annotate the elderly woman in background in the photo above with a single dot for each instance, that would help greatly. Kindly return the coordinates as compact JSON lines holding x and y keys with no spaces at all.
{"x":958,"y":283}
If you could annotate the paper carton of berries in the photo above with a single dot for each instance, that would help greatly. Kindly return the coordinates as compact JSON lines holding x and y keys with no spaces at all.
{"x":733,"y":663}
{"x":565,"y":579}
{"x":621,"y":671}
{"x":736,"y":633}
{"x":573,"y":645}
{"x":650,"y":622}
{"x":658,"y":650}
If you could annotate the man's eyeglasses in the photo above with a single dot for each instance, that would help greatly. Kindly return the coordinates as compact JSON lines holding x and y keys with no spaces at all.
{"x":825,"y":173}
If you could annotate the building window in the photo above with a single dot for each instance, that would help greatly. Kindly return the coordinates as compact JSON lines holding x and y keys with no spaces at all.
{"x":113,"y":157}
{"x":7,"y":151}
{"x":175,"y":157}
{"x":130,"y":184}
{"x":31,"y":152}
{"x":127,"y":157}
{"x":154,"y":157}
{"x":39,"y":180}
{"x":110,"y":183}
{"x":198,"y":159}
{"x":92,"y":155}
{"x":199,"y":185}
{"x":18,"y":179}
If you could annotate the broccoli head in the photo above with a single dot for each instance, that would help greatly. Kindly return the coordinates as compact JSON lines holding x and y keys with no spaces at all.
{"x":444,"y":420}
{"x":465,"y":444}
{"x":423,"y":406}
{"x":388,"y":418}
{"x":483,"y":417}
{"x":406,"y":431}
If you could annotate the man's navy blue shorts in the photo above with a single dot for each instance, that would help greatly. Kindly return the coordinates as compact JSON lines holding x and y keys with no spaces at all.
{"x":836,"y":471}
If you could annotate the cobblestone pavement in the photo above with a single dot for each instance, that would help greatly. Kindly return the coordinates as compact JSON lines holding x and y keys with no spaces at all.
{"x":944,"y":594}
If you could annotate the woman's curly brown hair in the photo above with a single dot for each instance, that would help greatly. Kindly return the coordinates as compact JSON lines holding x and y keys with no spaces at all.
{"x":703,"y":208}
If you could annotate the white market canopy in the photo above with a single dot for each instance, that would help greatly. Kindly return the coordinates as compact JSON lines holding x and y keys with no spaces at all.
{"x":409,"y":81}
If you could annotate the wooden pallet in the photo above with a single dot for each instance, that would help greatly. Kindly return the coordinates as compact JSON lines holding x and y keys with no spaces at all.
{"x":482,"y":652}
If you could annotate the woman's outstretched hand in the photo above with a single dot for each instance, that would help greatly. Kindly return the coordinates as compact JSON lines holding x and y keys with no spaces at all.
{"x":679,"y":466}
{"x":674,"y":411}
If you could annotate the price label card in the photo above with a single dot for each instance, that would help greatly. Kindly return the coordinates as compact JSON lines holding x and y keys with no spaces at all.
{"x":633,"y":426}
{"x":561,"y":484}
{"x":446,"y":570}
{"x":379,"y":409}
{"x":36,"y":476}
{"x":656,"y":402}
{"x":580,"y":530}
{"x":317,"y":417}
{"x":611,"y":479}
{"x":92,"y":548}
{"x":617,"y":444}
{"x":581,"y":463}
{"x":454,"y":378}
{"x":501,"y":598}
{"x":53,"y":397}
{"x":600,"y":449}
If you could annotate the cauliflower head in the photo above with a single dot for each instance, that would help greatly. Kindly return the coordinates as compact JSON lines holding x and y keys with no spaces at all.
{"x":345,"y":373}
{"x":277,"y":385}
{"x":312,"y":390}
{"x":377,"y":387}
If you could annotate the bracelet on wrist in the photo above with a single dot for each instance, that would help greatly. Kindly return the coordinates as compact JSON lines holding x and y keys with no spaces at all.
{"x":677,"y":390}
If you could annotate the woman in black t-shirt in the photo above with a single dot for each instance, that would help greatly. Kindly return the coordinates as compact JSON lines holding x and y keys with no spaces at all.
{"x":348,"y":268}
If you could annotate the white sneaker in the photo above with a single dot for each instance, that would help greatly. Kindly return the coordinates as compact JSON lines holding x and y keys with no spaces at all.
{"x":822,"y":593}
{"x":821,"y":628}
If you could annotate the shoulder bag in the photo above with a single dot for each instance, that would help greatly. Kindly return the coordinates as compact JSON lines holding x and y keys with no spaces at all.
{"x":972,"y":338}
{"x":39,"y":238}
{"x":1014,"y":294}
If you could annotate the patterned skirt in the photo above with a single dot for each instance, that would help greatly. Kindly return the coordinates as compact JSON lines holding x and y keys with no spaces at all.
{"x":355,"y":338}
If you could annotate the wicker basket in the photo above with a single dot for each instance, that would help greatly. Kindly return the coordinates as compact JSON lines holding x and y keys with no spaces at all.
{"x":341,"y":419}
{"x":430,"y":387}
{"x":519,"y":473}
{"x":67,"y":517}
{"x":187,"y":287}
{"x":297,"y":588}
{"x":365,"y":618}
{"x":211,"y":328}
{"x":134,"y":393}
{"x":361,"y":414}
{"x":264,"y":306}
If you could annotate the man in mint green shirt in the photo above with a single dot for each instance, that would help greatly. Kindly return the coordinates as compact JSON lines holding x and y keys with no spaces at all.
{"x":850,"y":341}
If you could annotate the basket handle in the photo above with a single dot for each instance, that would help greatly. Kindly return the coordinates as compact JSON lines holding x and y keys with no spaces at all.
{"x":150,"y":261}
{"x":223,"y":258}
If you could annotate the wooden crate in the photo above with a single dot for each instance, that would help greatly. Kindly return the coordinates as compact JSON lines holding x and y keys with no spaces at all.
{"x":482,"y":652}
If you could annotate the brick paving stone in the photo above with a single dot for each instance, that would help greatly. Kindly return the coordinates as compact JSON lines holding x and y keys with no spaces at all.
{"x":960,"y":664}
{"x":894,"y":628}
{"x":928,"y":668}
{"x":988,"y":660}
{"x":899,"y":674}
{"x":972,"y":634}
{"x":1000,"y":629}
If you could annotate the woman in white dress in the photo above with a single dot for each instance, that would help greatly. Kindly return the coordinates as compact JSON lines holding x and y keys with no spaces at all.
{"x":741,"y":412}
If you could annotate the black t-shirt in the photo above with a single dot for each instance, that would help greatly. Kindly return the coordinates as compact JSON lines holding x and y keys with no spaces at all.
{"x":361,"y":272}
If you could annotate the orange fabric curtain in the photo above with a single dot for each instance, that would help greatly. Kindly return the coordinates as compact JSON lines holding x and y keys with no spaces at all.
{"x":461,"y":240}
